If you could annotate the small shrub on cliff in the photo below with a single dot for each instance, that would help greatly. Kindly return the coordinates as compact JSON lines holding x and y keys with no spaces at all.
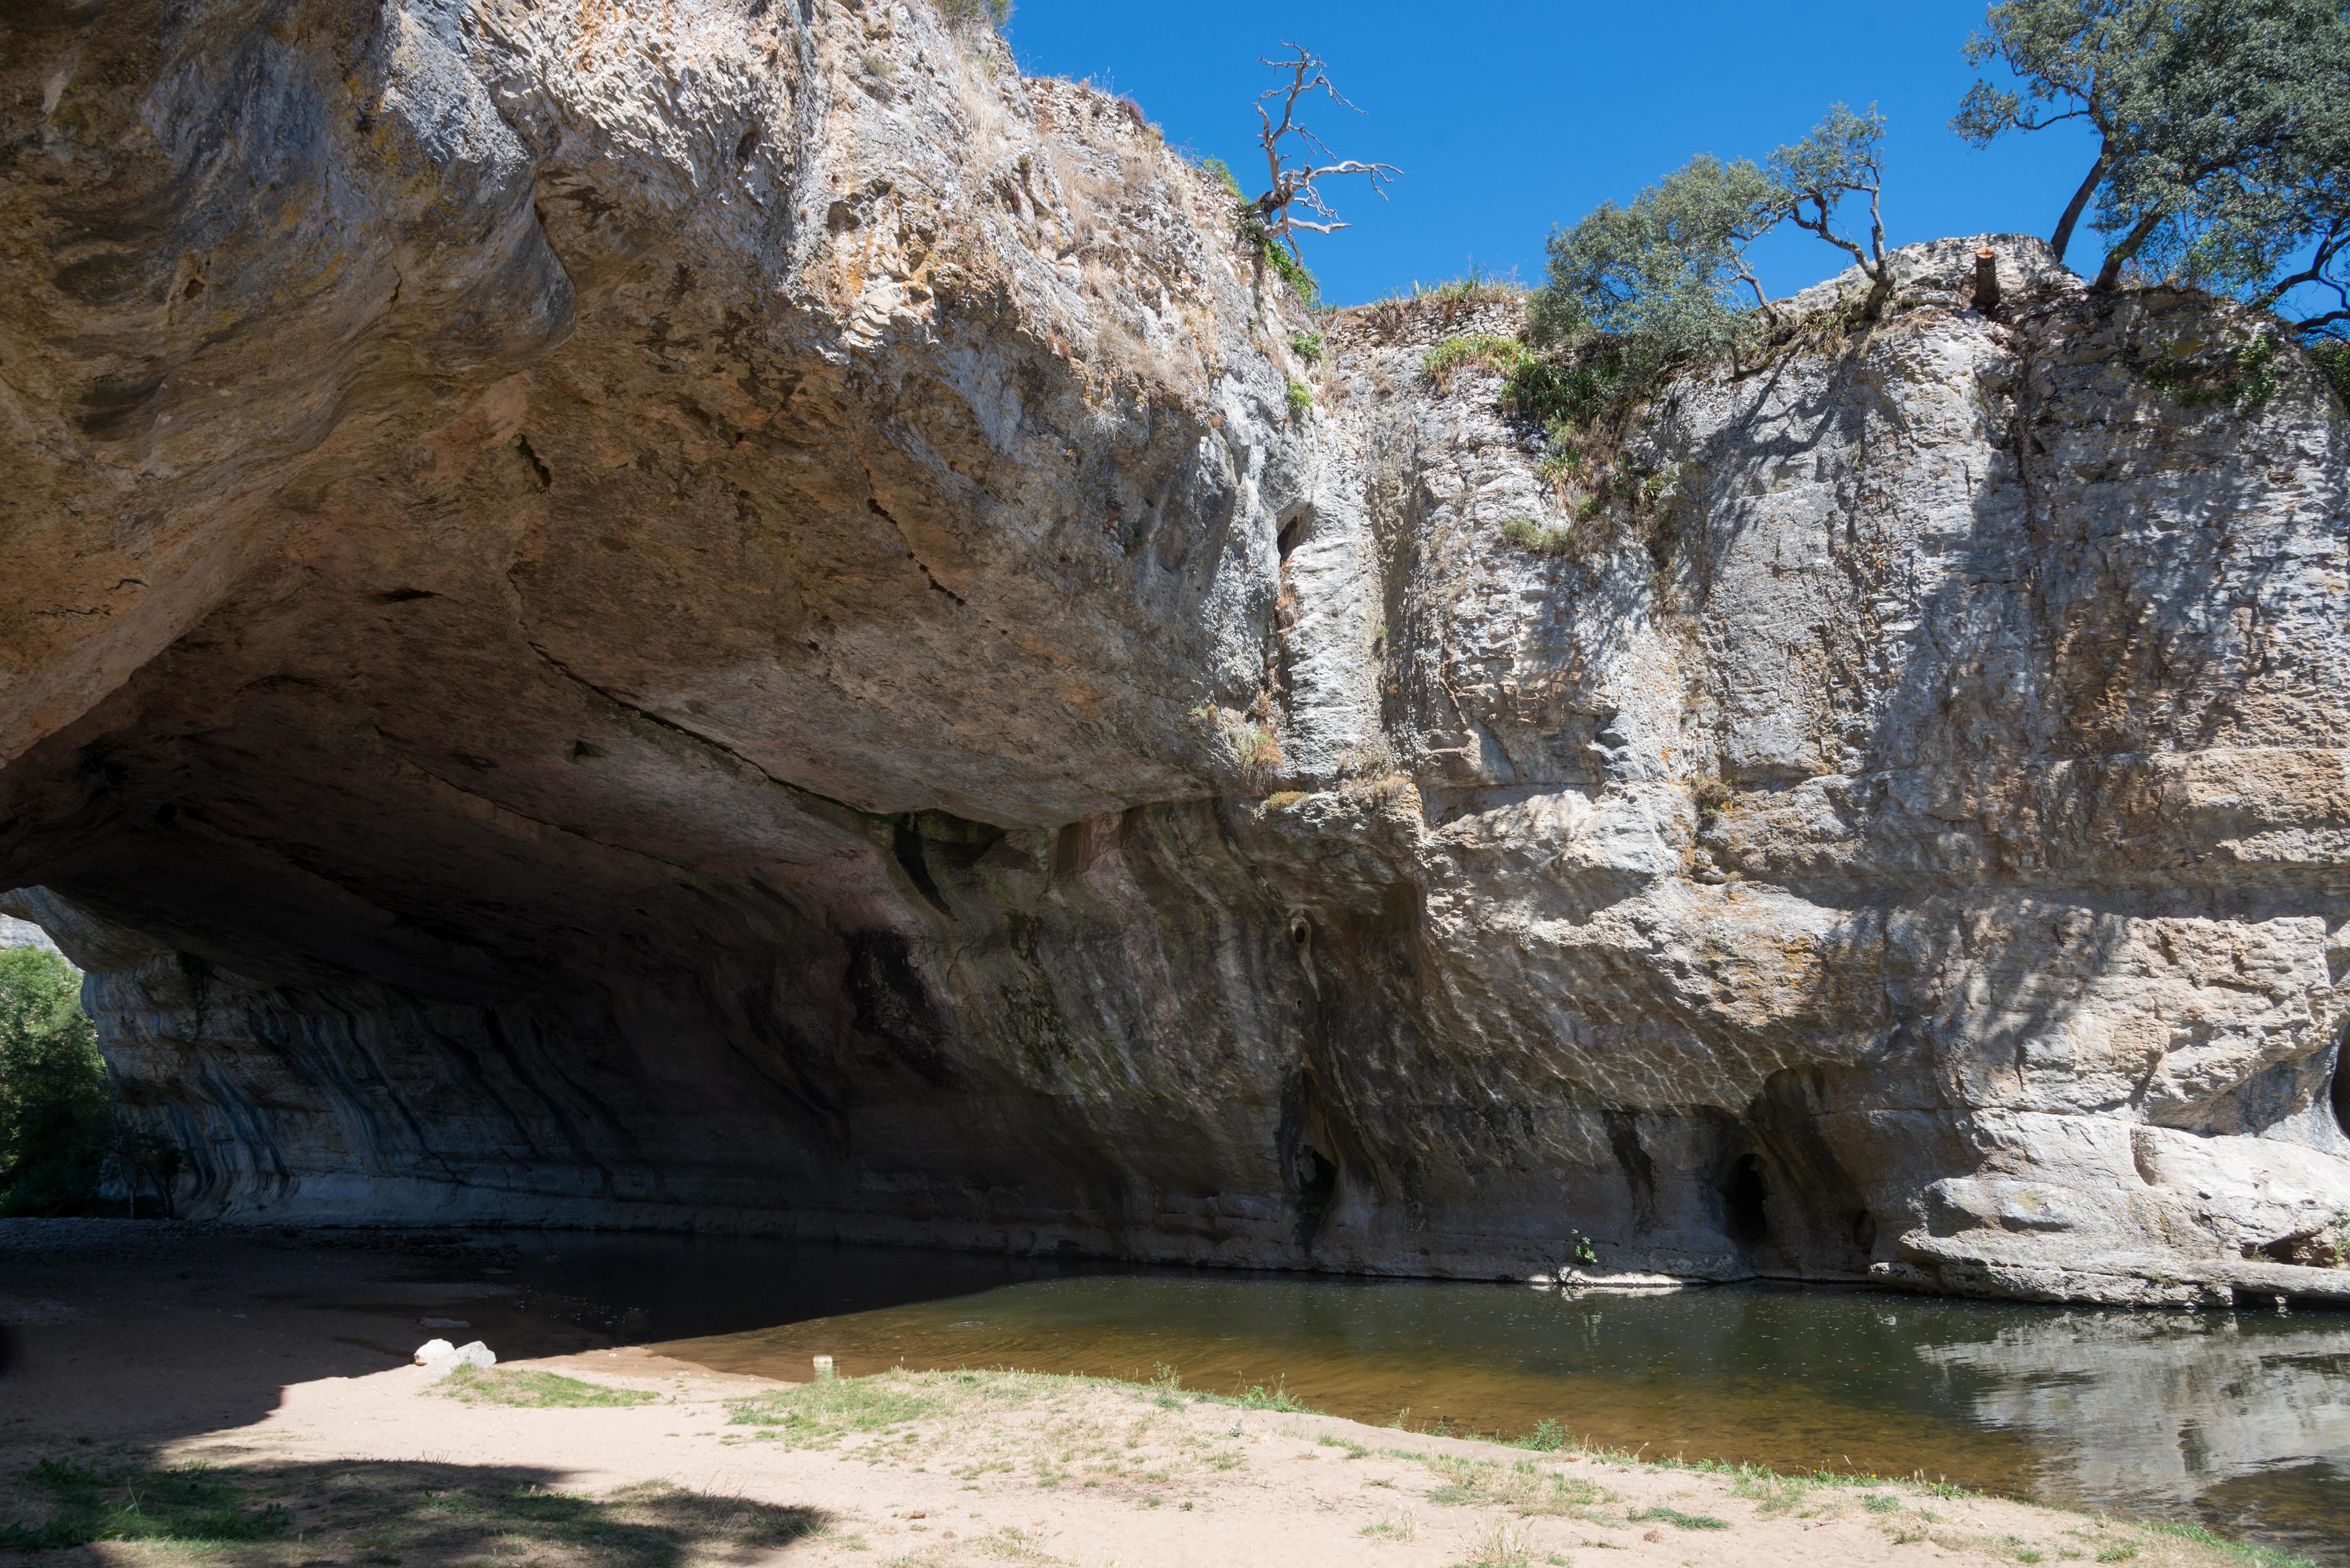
{"x":1250,"y":230}
{"x":1251,"y":749}
{"x":1559,"y":466}
{"x":1280,"y":261}
{"x":995,"y":13}
{"x":2241,"y":376}
{"x":1532,"y":536}
{"x":1475,"y":350}
{"x":1573,"y":389}
{"x":1219,"y":170}
{"x":53,"y":1101}
{"x":1473,"y":288}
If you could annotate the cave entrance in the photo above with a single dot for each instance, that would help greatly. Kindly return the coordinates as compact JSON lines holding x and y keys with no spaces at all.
{"x":1317,"y":1183}
{"x":1291,"y":533}
{"x":2342,"y":1085}
{"x":1745,"y":1197}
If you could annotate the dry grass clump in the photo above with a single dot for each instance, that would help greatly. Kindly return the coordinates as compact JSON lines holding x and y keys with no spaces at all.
{"x":1525,"y":1486}
{"x":1475,"y":350}
{"x":1537,"y":538}
{"x":1248,"y":748}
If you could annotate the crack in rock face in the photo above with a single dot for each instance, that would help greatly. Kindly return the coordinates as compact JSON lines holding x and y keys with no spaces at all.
{"x":652,"y":623}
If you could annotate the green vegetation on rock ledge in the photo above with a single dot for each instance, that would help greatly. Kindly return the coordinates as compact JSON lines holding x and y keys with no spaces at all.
{"x":2237,"y":375}
{"x":1528,"y":535}
{"x":995,"y":13}
{"x":1477,"y":350}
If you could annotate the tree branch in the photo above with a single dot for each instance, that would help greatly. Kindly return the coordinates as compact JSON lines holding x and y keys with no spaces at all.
{"x":2063,"y":238}
{"x":2023,"y":124}
{"x":2328,"y":246}
{"x":2111,"y":273}
{"x":1291,"y":185}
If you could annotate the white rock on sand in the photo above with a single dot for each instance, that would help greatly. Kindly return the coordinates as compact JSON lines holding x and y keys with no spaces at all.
{"x":441,"y":1358}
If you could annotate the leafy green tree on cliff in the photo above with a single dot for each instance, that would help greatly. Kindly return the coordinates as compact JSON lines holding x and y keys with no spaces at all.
{"x":1663,"y":275}
{"x":1843,"y":159}
{"x":53,"y":1101}
{"x":1667,"y":278}
{"x":2223,"y":135}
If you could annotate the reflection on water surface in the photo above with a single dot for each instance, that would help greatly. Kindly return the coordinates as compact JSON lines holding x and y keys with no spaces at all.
{"x":2240,"y":1422}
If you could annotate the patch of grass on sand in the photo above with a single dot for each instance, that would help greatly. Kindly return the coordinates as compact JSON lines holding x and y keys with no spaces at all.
{"x":819,"y":1415}
{"x":1011,"y":1544}
{"x":2243,"y":1551}
{"x":1500,"y":1545}
{"x":279,"y":1515}
{"x":187,"y":1503}
{"x":1525,"y":1486}
{"x":1257,"y":1396}
{"x":1662,"y":1514}
{"x":531,"y":1390}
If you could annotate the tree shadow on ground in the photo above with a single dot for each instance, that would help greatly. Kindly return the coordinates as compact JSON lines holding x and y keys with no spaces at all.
{"x":272,"y":1514}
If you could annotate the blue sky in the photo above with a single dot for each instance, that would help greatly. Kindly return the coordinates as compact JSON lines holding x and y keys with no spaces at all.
{"x":1511,"y":117}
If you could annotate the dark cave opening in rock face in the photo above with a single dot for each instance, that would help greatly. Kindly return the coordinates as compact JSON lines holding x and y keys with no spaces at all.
{"x":1746,"y":1199}
{"x":2342,"y":1088}
{"x":1317,"y":1183}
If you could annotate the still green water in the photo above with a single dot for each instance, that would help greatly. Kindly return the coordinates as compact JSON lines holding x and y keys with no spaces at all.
{"x":2238,"y":1421}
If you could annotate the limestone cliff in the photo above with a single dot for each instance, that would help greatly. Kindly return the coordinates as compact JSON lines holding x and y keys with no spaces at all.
{"x":718,"y":614}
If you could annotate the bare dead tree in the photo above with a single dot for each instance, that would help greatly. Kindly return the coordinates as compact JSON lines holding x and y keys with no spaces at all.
{"x":1295,"y":159}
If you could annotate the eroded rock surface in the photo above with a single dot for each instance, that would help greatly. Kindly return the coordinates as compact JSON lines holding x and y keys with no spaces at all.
{"x":720,"y":617}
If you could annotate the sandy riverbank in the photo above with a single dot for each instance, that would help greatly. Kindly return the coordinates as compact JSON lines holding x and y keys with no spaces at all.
{"x":244,"y":1399}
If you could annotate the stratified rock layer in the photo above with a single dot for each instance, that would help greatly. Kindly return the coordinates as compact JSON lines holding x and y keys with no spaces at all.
{"x":721,"y":615}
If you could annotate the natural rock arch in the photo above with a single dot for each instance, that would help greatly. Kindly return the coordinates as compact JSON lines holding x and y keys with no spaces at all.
{"x":693,"y":676}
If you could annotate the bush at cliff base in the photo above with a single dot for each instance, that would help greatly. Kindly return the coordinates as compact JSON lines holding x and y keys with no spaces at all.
{"x":53,"y":1099}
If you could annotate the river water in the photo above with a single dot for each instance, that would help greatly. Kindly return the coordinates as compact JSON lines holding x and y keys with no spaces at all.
{"x":2238,"y":1421}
